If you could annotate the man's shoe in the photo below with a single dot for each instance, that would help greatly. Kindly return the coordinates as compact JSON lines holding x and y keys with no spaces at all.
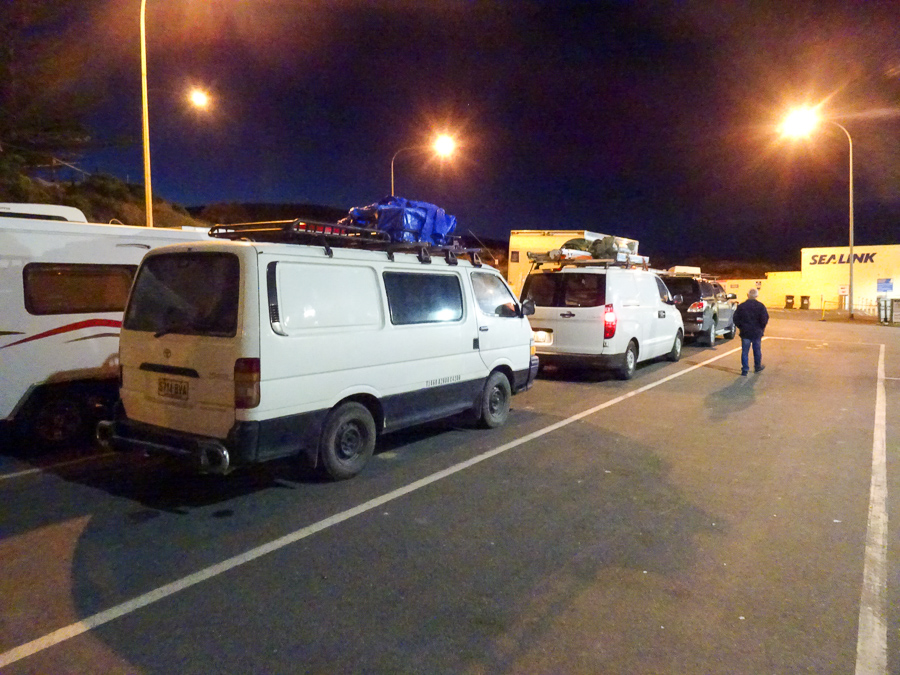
{"x":743,"y":373}
{"x":759,"y":370}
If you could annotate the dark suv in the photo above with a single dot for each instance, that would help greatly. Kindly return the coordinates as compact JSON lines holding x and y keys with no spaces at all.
{"x":706,"y":309}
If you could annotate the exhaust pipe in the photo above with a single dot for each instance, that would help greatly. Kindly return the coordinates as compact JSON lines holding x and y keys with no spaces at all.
{"x":214,"y":459}
{"x":104,"y":434}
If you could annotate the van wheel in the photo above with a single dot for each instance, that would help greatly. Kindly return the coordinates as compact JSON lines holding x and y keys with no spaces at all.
{"x":55,"y":421}
{"x":495,"y":400}
{"x":675,"y":354}
{"x":730,"y":333}
{"x":629,"y":362}
{"x":347,"y":441}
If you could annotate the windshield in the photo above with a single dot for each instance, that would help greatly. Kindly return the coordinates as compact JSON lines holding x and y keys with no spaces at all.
{"x":556,"y":289}
{"x":187,"y":294}
{"x":684,"y":286}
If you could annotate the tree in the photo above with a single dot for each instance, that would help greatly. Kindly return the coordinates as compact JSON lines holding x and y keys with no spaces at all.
{"x":42,"y":111}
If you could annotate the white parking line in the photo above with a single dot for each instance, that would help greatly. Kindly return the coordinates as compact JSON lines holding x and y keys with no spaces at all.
{"x":95,"y":620}
{"x":871,"y":643}
{"x":51,"y":467}
{"x":872,"y":639}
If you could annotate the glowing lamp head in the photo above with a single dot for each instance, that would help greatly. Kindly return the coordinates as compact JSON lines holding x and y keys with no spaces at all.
{"x":800,"y":122}
{"x":444,"y":145}
{"x":198,"y":98}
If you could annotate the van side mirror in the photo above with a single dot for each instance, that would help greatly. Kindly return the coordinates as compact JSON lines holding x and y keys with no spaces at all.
{"x":731,"y":296}
{"x":527,"y":307}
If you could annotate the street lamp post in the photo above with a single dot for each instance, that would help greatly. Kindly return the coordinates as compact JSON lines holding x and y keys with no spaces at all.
{"x":801,"y":122}
{"x":443,"y":146}
{"x":148,"y":192}
{"x":850,"y":290}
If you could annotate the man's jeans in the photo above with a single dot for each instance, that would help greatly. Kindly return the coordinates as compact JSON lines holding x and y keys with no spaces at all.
{"x":746,"y":343}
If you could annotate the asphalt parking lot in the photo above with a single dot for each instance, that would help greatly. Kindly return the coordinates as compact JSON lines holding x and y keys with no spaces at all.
{"x":687,"y":521}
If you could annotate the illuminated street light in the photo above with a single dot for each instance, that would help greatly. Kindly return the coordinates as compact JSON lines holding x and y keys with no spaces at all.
{"x":198,"y":98}
{"x":801,"y":122}
{"x":443,"y":146}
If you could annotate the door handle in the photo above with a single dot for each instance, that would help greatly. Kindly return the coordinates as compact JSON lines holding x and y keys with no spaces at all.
{"x":661,"y":314}
{"x":567,"y":315}
{"x":483,"y":329}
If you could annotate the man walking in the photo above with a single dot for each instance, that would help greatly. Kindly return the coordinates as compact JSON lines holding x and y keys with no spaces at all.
{"x":751,"y":318}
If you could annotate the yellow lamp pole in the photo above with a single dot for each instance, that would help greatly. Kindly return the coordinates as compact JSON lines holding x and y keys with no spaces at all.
{"x":801,"y":122}
{"x":148,"y":192}
{"x":443,"y":146}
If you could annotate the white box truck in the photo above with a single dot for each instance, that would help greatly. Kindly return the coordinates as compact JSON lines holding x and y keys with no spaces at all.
{"x":63,"y":286}
{"x":523,"y":242}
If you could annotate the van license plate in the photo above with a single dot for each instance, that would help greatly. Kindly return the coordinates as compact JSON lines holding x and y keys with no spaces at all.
{"x":176,"y":389}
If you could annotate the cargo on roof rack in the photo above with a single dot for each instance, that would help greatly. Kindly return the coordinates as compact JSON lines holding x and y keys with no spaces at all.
{"x":337,"y":235}
{"x":622,"y":259}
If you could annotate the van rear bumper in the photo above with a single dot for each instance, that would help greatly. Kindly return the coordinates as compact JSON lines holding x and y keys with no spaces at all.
{"x":603,"y":361}
{"x":208,"y":455}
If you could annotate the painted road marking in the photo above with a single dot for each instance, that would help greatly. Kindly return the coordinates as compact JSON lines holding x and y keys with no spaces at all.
{"x":95,"y":620}
{"x":871,"y":644}
{"x":51,"y":467}
{"x":871,"y":640}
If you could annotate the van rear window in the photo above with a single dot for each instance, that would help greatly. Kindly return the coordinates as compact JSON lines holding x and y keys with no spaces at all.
{"x":67,"y":288}
{"x":186,"y":294}
{"x":566,"y":290}
{"x":423,"y":298}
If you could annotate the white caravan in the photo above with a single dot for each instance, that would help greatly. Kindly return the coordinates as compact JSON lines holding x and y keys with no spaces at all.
{"x":238,"y":352}
{"x":63,"y":286}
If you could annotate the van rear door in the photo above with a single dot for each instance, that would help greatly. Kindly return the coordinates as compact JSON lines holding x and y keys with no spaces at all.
{"x":180,"y":342}
{"x":569,"y":309}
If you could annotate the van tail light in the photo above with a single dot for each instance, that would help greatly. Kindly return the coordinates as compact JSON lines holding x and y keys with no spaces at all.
{"x":246,"y":383}
{"x":610,"y":320}
{"x":697,"y":306}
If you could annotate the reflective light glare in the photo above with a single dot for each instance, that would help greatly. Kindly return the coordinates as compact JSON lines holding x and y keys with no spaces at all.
{"x":444,"y":145}
{"x":198,"y":98}
{"x":800,"y":122}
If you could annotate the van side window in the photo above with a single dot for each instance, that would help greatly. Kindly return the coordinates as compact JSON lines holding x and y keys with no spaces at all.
{"x":67,"y":288}
{"x":663,"y":291}
{"x":492,"y":295}
{"x":423,"y":298}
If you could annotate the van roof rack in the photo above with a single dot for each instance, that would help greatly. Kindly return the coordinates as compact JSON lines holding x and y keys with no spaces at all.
{"x":337,"y":235}
{"x":624,"y":260}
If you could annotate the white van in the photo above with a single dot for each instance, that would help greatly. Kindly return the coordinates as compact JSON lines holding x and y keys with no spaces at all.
{"x":237,"y":352}
{"x":63,"y":286}
{"x":601,"y":314}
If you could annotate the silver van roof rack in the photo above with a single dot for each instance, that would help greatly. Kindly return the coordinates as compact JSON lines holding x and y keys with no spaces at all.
{"x":335,"y":235}
{"x":625,"y":260}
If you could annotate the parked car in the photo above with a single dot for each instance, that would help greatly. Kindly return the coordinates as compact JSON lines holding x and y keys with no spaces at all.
{"x":706,"y":309}
{"x":602,"y":315}
{"x":238,"y":352}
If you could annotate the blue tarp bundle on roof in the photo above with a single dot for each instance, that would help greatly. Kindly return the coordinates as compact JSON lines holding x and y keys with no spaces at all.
{"x":405,"y":220}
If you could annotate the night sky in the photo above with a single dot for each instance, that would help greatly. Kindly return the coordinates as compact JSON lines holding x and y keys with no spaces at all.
{"x":655,"y":121}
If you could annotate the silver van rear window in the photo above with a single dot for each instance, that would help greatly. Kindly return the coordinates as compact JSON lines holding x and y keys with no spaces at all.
{"x":186,"y":294}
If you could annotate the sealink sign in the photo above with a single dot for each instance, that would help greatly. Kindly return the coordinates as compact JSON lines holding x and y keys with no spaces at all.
{"x":842,"y":259}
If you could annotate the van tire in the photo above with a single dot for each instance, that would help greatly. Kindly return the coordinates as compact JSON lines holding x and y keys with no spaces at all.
{"x":495,"y":398}
{"x":730,"y":333}
{"x":629,"y":362}
{"x":675,"y":354}
{"x":347,"y":441}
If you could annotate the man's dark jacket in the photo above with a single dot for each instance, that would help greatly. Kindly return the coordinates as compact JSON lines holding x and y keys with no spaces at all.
{"x":751,"y":318}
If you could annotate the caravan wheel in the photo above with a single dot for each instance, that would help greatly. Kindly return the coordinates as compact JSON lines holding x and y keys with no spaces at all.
{"x":56,"y":420}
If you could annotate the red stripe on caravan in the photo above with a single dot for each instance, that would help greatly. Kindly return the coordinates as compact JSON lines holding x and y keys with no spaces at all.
{"x":68,"y":328}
